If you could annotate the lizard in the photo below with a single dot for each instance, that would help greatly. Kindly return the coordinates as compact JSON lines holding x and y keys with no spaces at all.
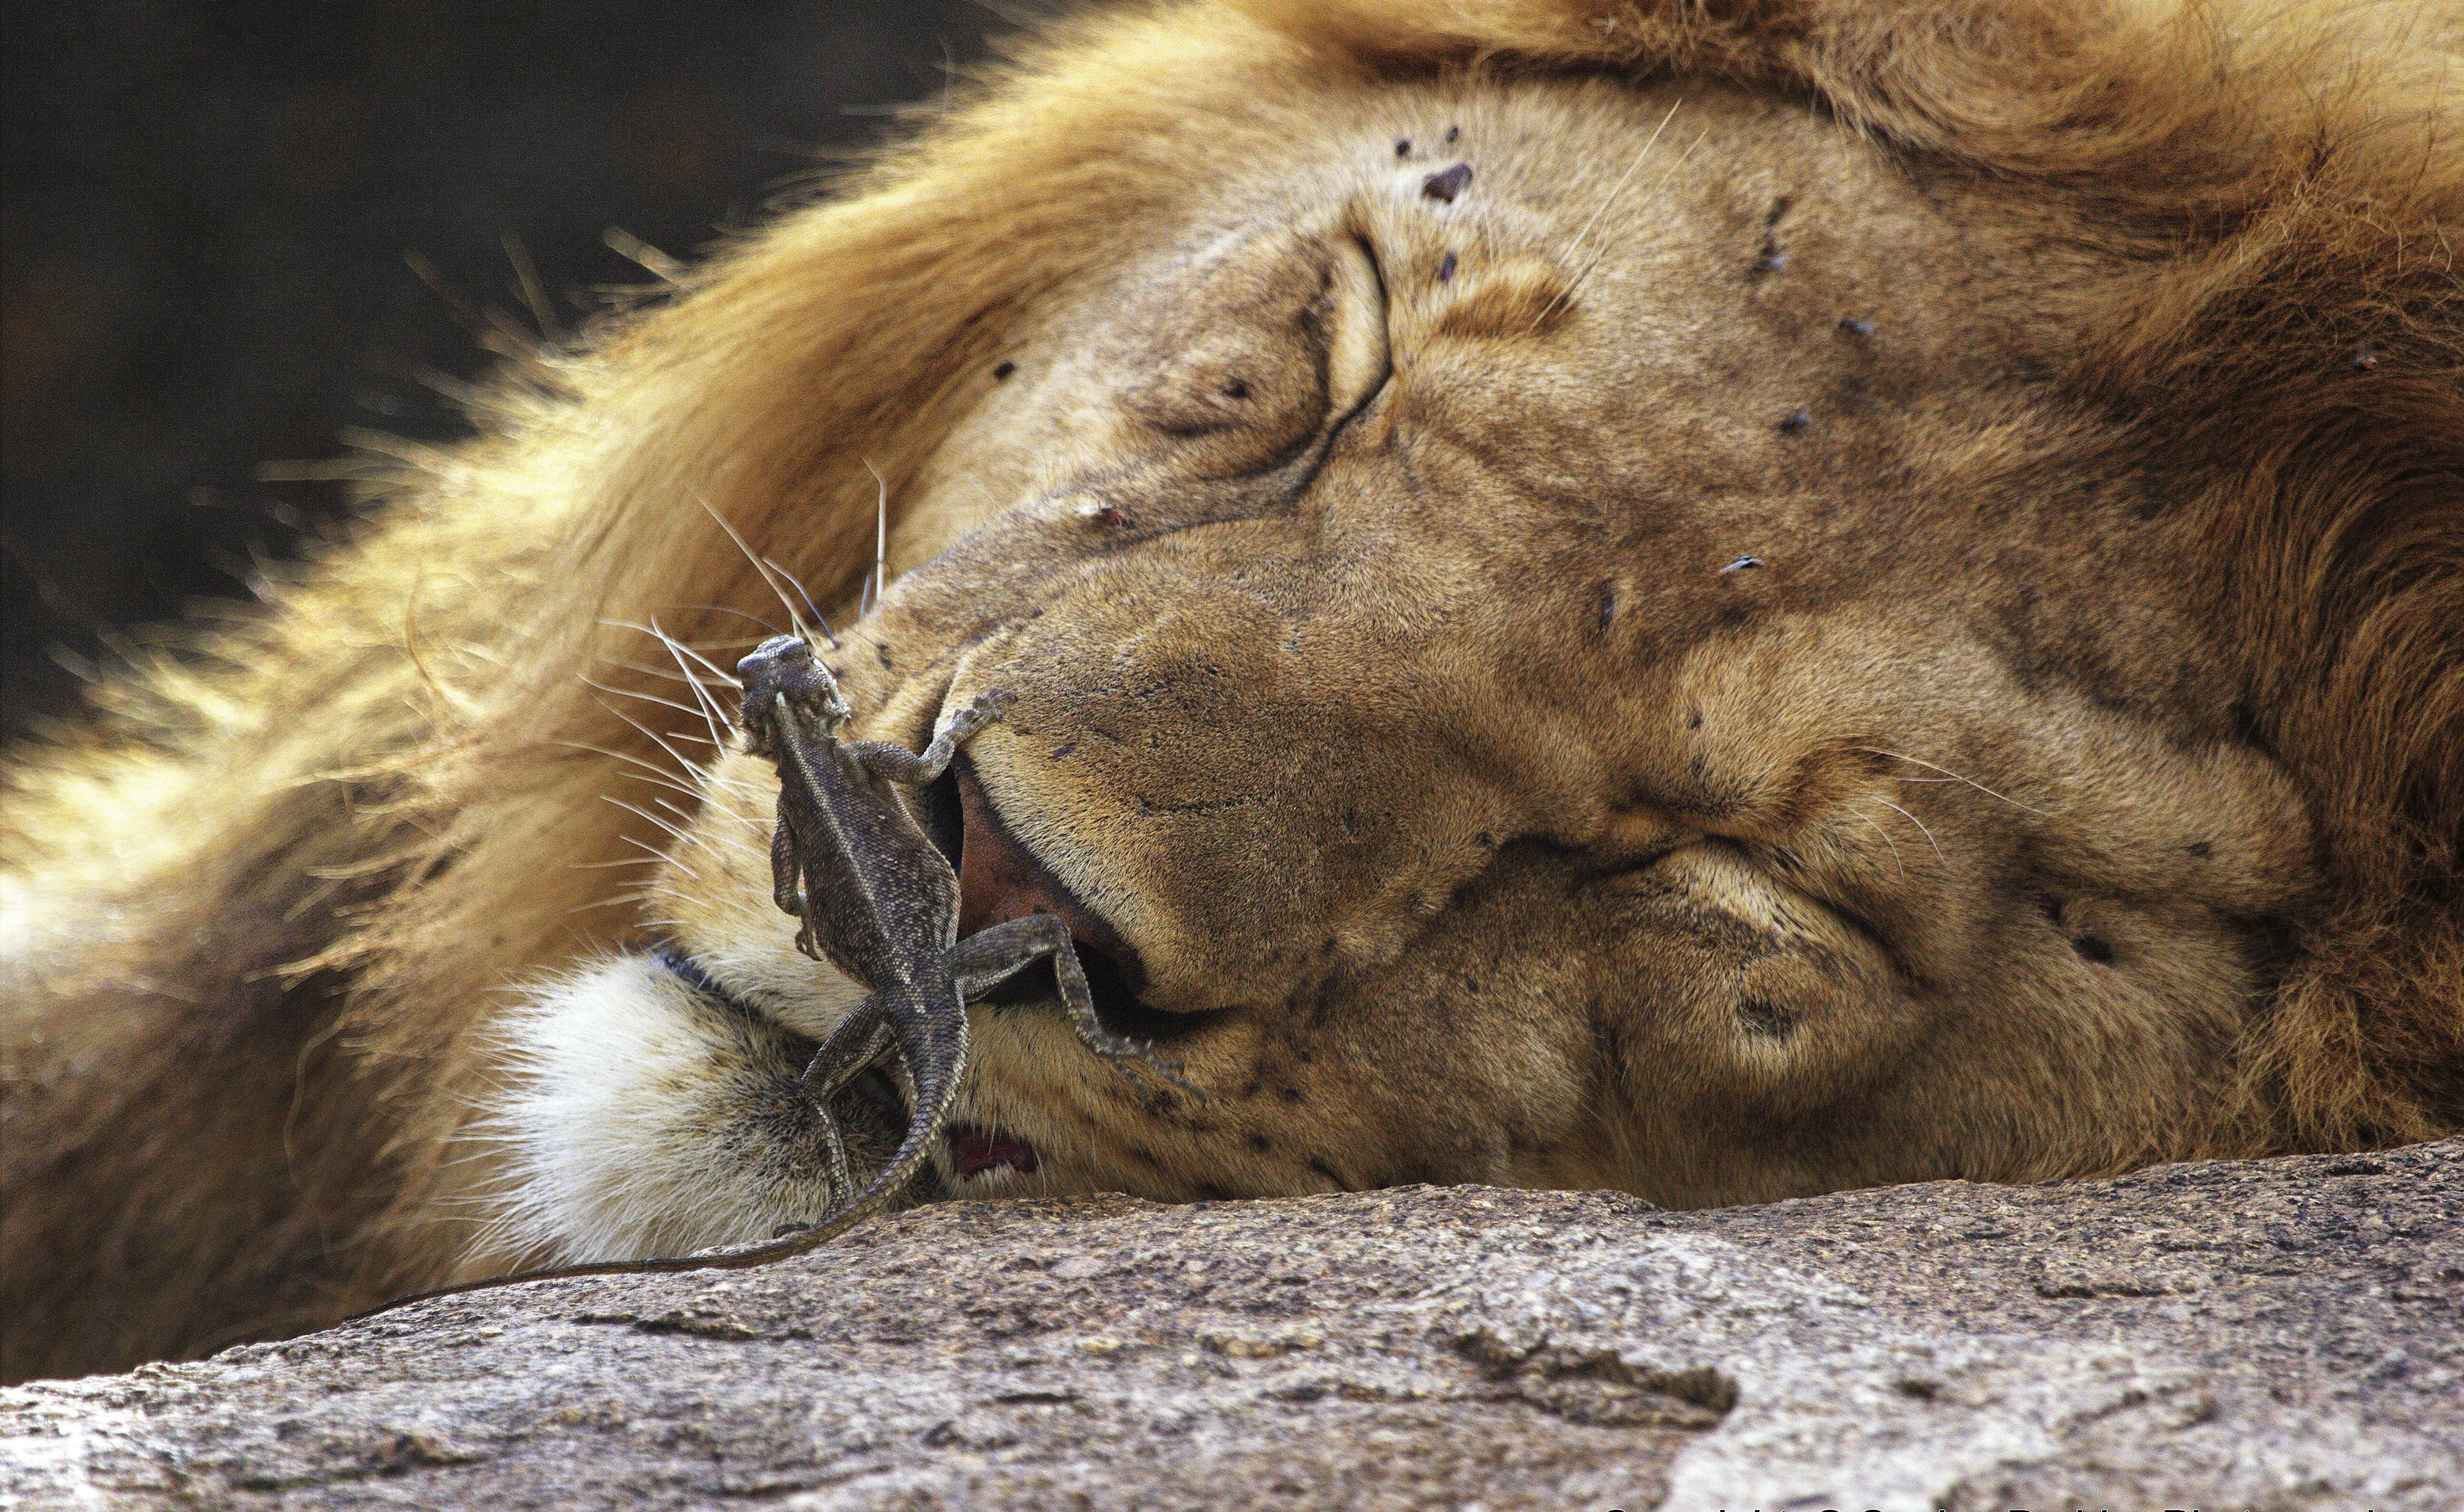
{"x":876,"y":898}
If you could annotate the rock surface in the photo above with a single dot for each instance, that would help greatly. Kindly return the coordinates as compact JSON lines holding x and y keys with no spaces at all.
{"x":2280,"y":1334}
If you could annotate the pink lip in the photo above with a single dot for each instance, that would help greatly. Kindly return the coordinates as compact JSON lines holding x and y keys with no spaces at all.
{"x":976,"y":1150}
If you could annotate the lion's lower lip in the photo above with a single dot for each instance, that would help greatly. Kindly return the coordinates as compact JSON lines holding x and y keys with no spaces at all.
{"x":975,"y":1150}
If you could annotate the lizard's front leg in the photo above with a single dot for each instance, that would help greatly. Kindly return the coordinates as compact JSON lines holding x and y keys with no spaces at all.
{"x":786,"y":881}
{"x":990,"y":956}
{"x":898,"y":764}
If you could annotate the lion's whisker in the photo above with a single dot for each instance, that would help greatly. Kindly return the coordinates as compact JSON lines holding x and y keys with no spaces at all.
{"x":677,"y":831}
{"x":655,"y":737}
{"x":720,"y":844}
{"x":648,"y":699}
{"x":1601,"y":255}
{"x":721,"y":608}
{"x":1954,"y":776}
{"x":726,"y":645}
{"x":761,"y":565}
{"x":644,"y":668}
{"x":1920,"y":829}
{"x":626,"y":757}
{"x":711,"y":714}
{"x":652,"y":853}
{"x":1865,"y":820}
{"x":670,"y":783}
{"x":680,"y":647}
{"x":1615,"y":189}
{"x":871,"y":600}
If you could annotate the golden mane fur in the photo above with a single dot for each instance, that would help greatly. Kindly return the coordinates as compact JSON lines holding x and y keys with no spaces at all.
{"x":257,"y":910}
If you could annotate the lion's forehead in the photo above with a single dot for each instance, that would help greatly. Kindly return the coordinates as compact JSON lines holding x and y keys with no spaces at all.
{"x":1652,"y":335}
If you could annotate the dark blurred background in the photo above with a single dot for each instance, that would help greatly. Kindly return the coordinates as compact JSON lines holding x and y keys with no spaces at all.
{"x":236,"y":232}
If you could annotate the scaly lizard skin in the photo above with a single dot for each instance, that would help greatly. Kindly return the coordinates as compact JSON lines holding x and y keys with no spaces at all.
{"x":879,"y":902}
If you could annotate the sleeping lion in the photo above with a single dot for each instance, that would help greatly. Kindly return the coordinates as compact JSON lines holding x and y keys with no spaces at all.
{"x":1721,"y":601}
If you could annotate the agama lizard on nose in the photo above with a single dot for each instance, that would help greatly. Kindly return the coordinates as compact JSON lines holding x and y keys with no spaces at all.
{"x":877,"y":900}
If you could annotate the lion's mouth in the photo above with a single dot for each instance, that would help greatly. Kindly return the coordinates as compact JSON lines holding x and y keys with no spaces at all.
{"x":976,"y":1150}
{"x":999,"y":880}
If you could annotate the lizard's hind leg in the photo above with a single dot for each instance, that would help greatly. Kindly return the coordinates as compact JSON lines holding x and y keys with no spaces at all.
{"x":922,"y":1037}
{"x":990,"y":956}
{"x":860,"y":1040}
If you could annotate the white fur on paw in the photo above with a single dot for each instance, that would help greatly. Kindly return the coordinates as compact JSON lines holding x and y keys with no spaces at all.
{"x":636,"y":1118}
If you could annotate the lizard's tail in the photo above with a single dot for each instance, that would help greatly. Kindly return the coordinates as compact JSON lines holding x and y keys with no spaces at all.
{"x":935,"y":1057}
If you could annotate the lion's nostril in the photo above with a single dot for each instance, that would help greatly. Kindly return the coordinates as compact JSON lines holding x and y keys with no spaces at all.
{"x":999,"y":880}
{"x":944,"y":817}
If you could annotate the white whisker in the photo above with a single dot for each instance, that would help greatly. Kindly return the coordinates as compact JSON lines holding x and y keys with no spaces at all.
{"x":769,"y":630}
{"x":1920,"y":829}
{"x":648,"y":699}
{"x":1615,"y":189}
{"x":610,"y":798}
{"x":717,"y":673}
{"x":711,"y":714}
{"x":1886,"y":838}
{"x":643,"y":668}
{"x":668,"y":782}
{"x":1953,"y":777}
{"x":655,"y":737}
{"x":626,"y":757}
{"x":880,"y":535}
{"x":651,"y":853}
{"x":797,"y":584}
{"x":729,"y":644}
{"x":761,"y":566}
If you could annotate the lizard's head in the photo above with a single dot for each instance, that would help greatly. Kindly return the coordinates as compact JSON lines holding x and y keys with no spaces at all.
{"x":786,"y":673}
{"x":1497,"y":715}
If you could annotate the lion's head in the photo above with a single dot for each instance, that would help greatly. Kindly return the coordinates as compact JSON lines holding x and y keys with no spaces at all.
{"x":1719,"y":606}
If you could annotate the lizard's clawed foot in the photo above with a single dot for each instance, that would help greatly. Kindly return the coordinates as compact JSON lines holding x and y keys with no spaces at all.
{"x":841,"y":1181}
{"x":982,"y":710}
{"x":1134,"y":1058}
{"x":991,"y":955}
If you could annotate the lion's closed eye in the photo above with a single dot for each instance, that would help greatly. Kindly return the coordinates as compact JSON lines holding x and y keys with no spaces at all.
{"x":1255,"y":347}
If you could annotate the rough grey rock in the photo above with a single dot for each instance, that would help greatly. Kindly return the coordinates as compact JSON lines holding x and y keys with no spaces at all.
{"x":2279,"y":1335}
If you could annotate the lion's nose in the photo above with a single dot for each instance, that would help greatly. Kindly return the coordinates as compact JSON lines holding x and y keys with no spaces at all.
{"x":1000,"y":880}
